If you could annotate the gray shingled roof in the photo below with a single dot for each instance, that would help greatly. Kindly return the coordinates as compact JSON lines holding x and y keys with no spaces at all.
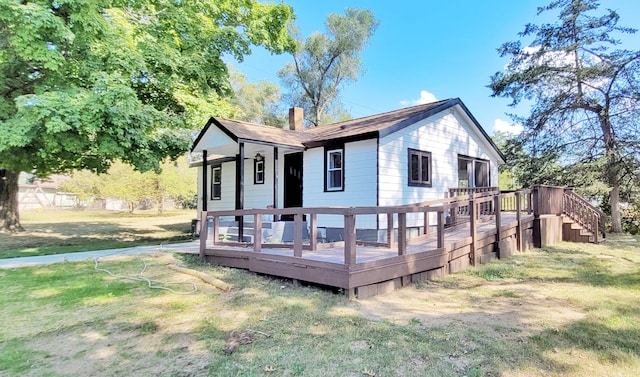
{"x":374,"y":124}
{"x":362,"y":128}
{"x":258,"y":132}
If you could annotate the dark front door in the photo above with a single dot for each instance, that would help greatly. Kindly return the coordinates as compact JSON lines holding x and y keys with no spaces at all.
{"x":293,"y":180}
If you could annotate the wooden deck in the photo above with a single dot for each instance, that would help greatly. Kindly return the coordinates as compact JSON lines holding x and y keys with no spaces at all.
{"x":491,"y":226}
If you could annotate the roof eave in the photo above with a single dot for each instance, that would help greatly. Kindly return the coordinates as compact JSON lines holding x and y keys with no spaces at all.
{"x":314,"y":143}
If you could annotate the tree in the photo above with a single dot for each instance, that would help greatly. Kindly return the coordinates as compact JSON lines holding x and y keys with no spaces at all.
{"x":176,"y":181}
{"x":86,"y":83}
{"x":525,"y":168}
{"x":121,"y":181}
{"x":584,"y":92}
{"x":324,"y":62}
{"x":256,"y":102}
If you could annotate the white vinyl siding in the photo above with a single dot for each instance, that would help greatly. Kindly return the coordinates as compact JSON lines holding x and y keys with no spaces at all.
{"x":259,"y":195}
{"x":359,"y":182}
{"x":228,"y":188}
{"x":446,"y":135}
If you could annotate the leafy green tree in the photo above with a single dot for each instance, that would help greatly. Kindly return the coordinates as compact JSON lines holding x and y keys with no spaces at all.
{"x":526,"y":167}
{"x":256,"y":102}
{"x":84,"y":184}
{"x":121,"y":181}
{"x":176,"y":181}
{"x":324,"y":62}
{"x":584,"y":93}
{"x":86,"y":83}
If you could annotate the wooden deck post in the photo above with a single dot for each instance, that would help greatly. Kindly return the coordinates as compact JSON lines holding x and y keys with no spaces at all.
{"x":297,"y":235}
{"x":216,"y":229}
{"x":440,"y":242}
{"x":402,"y":233}
{"x":473,"y":230}
{"x":313,"y":231}
{"x":391,"y":239}
{"x":497,"y":204}
{"x":426,"y":222}
{"x":453,"y":212}
{"x":257,"y":233}
{"x":519,"y":242}
{"x":349,"y":240}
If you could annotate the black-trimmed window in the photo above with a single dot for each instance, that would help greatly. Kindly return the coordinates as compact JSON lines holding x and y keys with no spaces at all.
{"x":334,"y":169}
{"x":216,"y":182}
{"x":473,"y":172}
{"x":419,"y":166}
{"x":258,"y":171}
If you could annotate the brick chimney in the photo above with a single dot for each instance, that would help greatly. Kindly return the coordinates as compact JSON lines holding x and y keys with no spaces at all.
{"x":296,"y":119}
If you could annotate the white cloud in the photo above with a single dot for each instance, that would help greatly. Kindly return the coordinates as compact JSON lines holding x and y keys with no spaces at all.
{"x":508,"y":128}
{"x":425,"y":97}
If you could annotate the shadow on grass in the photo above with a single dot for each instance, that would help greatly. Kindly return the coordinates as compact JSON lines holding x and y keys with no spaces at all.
{"x":57,"y":238}
{"x":610,"y":344}
{"x":99,"y":229}
{"x":595,"y":270}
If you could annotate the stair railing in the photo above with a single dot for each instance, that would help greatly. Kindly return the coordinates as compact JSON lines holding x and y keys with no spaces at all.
{"x":584,"y":213}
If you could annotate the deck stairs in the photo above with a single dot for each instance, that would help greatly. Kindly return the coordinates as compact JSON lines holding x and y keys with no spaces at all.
{"x":574,"y":232}
{"x":581,"y":220}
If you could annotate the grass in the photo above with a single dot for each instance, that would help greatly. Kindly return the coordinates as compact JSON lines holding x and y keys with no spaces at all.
{"x":67,"y":319}
{"x":56,"y":232}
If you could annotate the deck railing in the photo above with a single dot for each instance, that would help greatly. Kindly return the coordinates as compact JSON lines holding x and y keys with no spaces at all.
{"x":461,"y":215}
{"x":471,"y":191}
{"x":511,"y":200}
{"x":489,"y":204}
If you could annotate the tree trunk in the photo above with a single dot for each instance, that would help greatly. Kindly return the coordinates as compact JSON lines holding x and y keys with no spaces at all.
{"x":160,"y":205}
{"x":612,"y":169}
{"x":614,"y":201}
{"x":9,"y":216}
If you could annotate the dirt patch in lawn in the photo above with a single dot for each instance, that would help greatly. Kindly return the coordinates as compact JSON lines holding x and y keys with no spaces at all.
{"x":494,"y":308}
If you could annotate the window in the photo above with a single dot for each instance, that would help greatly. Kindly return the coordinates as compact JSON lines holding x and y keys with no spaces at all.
{"x":258,"y":171}
{"x":216,"y":183}
{"x":473,"y":172}
{"x":335,"y":170}
{"x":419,"y":168}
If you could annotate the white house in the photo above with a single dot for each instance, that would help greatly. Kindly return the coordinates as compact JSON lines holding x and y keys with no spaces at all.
{"x":399,"y":157}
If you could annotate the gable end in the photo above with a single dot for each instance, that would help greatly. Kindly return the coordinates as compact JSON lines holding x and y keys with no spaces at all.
{"x":418,"y":117}
{"x":222,"y":128}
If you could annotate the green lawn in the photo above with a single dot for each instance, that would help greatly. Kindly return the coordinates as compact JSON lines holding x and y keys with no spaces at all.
{"x":569,"y":310}
{"x":55,"y":232}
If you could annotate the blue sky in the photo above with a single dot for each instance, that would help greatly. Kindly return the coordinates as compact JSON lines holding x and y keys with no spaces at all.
{"x":429,"y":49}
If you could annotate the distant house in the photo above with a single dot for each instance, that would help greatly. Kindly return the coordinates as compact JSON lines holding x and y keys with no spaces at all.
{"x":34,"y":193}
{"x":399,"y":157}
